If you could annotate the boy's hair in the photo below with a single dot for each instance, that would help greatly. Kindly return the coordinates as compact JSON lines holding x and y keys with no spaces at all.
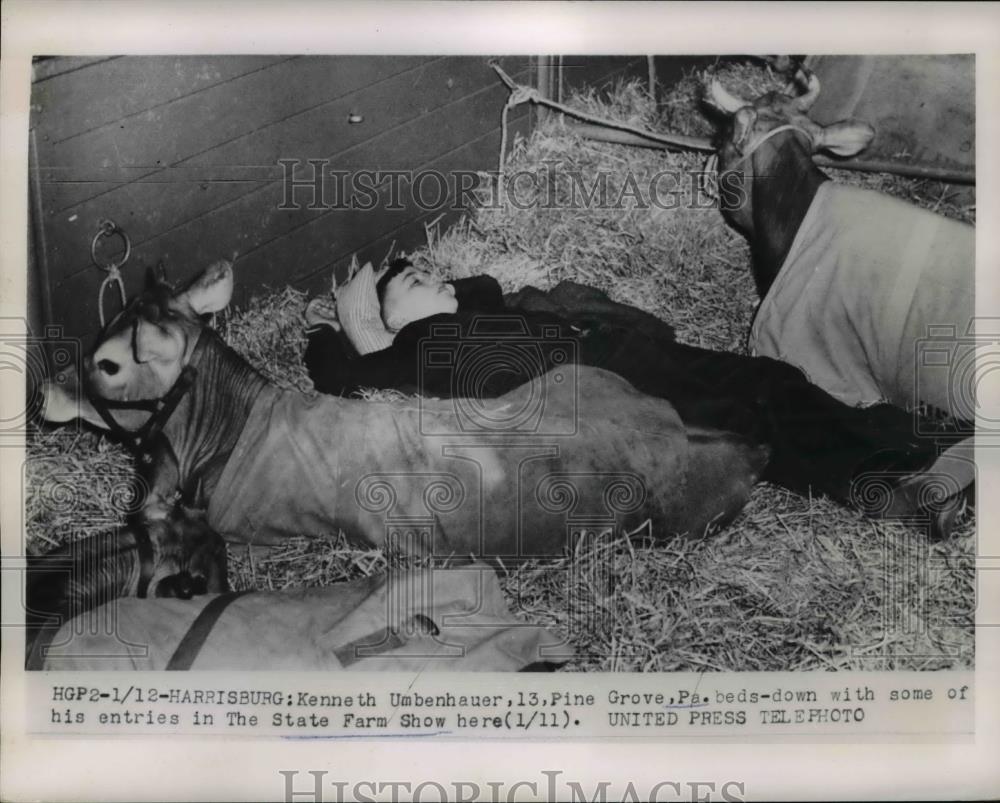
{"x":396,"y":267}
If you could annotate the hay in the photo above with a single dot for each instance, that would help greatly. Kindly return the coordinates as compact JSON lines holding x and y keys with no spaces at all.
{"x":793,"y":583}
{"x":270,"y":333}
{"x":77,"y":484}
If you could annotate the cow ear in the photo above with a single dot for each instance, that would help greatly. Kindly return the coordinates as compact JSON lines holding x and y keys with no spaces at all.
{"x":719,"y":97}
{"x":743,"y":123}
{"x":212,"y":291}
{"x":155,"y":343}
{"x":845,"y":138}
{"x":156,"y":276}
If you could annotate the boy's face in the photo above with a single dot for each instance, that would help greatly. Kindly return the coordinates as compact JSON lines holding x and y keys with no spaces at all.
{"x":414,"y":295}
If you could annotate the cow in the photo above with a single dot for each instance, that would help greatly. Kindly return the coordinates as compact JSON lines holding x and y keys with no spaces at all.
{"x":577,"y":450}
{"x":187,"y":559}
{"x":871,"y":297}
{"x":442,"y":619}
{"x":852,"y":281}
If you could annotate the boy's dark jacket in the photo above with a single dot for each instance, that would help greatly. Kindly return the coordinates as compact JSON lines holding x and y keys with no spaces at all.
{"x":497,"y":343}
{"x":494,"y":344}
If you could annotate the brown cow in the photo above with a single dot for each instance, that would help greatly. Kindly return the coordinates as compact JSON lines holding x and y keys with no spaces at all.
{"x":591,"y":452}
{"x":862,"y":292}
{"x":852,"y":281}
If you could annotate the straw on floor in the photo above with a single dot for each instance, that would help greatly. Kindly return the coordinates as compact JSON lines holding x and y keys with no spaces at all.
{"x":793,"y":583}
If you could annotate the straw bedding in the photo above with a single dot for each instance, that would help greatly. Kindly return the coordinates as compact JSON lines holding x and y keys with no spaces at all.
{"x":793,"y":583}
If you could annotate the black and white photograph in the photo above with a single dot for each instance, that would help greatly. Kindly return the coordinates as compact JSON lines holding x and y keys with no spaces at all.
{"x":501,"y":381}
{"x":702,"y":403}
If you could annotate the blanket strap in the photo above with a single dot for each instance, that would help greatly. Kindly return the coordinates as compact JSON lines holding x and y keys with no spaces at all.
{"x":913,"y":263}
{"x":196,"y":636}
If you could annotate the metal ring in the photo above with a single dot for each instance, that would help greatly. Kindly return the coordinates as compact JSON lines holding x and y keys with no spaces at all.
{"x":109,"y":228}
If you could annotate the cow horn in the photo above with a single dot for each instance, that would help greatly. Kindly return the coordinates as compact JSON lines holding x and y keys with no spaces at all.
{"x":722,"y":98}
{"x":805,"y":101}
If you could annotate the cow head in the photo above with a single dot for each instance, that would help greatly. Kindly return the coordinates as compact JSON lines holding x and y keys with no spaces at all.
{"x":140,"y":353}
{"x":746,"y":125}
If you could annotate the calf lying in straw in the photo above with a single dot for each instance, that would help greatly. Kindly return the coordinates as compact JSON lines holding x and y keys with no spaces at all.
{"x":439,"y":619}
{"x":518,"y":476}
{"x":186,"y":558}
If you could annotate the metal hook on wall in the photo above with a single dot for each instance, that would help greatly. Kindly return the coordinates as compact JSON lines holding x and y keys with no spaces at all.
{"x":108,"y":228}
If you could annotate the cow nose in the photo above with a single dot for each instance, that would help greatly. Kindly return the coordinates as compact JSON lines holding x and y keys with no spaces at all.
{"x":109,"y":367}
{"x":185,"y":588}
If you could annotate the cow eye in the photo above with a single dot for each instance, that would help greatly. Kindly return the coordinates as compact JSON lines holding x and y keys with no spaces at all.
{"x":108,"y":366}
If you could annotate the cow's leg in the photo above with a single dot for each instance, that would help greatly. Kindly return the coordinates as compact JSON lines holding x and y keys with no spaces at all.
{"x":873,"y":459}
{"x":817,"y":443}
{"x":189,"y":557}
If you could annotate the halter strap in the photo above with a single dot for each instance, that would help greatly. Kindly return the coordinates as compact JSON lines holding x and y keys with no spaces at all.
{"x":138,"y":442}
{"x":761,"y":140}
{"x":709,"y":177}
{"x":147,"y":565}
{"x":197,"y":634}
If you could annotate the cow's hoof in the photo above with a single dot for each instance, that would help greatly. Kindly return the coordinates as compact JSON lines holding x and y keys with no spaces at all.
{"x":180,"y":586}
{"x":939,"y":494}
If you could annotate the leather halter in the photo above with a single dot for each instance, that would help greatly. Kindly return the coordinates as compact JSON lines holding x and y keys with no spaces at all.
{"x":197,"y":634}
{"x":140,"y":443}
{"x":764,"y":138}
{"x":711,"y":166}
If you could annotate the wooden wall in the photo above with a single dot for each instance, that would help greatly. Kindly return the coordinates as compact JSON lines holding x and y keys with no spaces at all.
{"x":923,"y":108}
{"x":183,"y":153}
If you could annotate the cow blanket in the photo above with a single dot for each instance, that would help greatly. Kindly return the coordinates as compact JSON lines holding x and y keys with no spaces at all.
{"x":867,"y":279}
{"x":452,"y":619}
{"x":518,"y":476}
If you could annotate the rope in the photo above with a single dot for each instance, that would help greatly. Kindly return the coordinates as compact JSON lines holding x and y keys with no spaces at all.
{"x":518,"y":95}
{"x":114,"y":276}
{"x":109,"y":228}
{"x":525,"y":94}
{"x":761,"y":140}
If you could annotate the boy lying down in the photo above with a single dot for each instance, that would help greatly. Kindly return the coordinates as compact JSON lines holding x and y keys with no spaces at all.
{"x":417,"y":334}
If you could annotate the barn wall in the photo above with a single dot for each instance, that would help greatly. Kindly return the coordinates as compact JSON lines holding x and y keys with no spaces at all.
{"x":923,"y":108}
{"x":183,"y":153}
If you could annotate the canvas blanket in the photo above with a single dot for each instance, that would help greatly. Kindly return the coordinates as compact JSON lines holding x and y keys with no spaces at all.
{"x":421,"y":620}
{"x":517,"y":476}
{"x":868,"y":280}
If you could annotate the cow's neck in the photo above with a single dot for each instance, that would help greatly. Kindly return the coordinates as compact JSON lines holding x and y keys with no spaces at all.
{"x":205,"y":431}
{"x":785,"y":183}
